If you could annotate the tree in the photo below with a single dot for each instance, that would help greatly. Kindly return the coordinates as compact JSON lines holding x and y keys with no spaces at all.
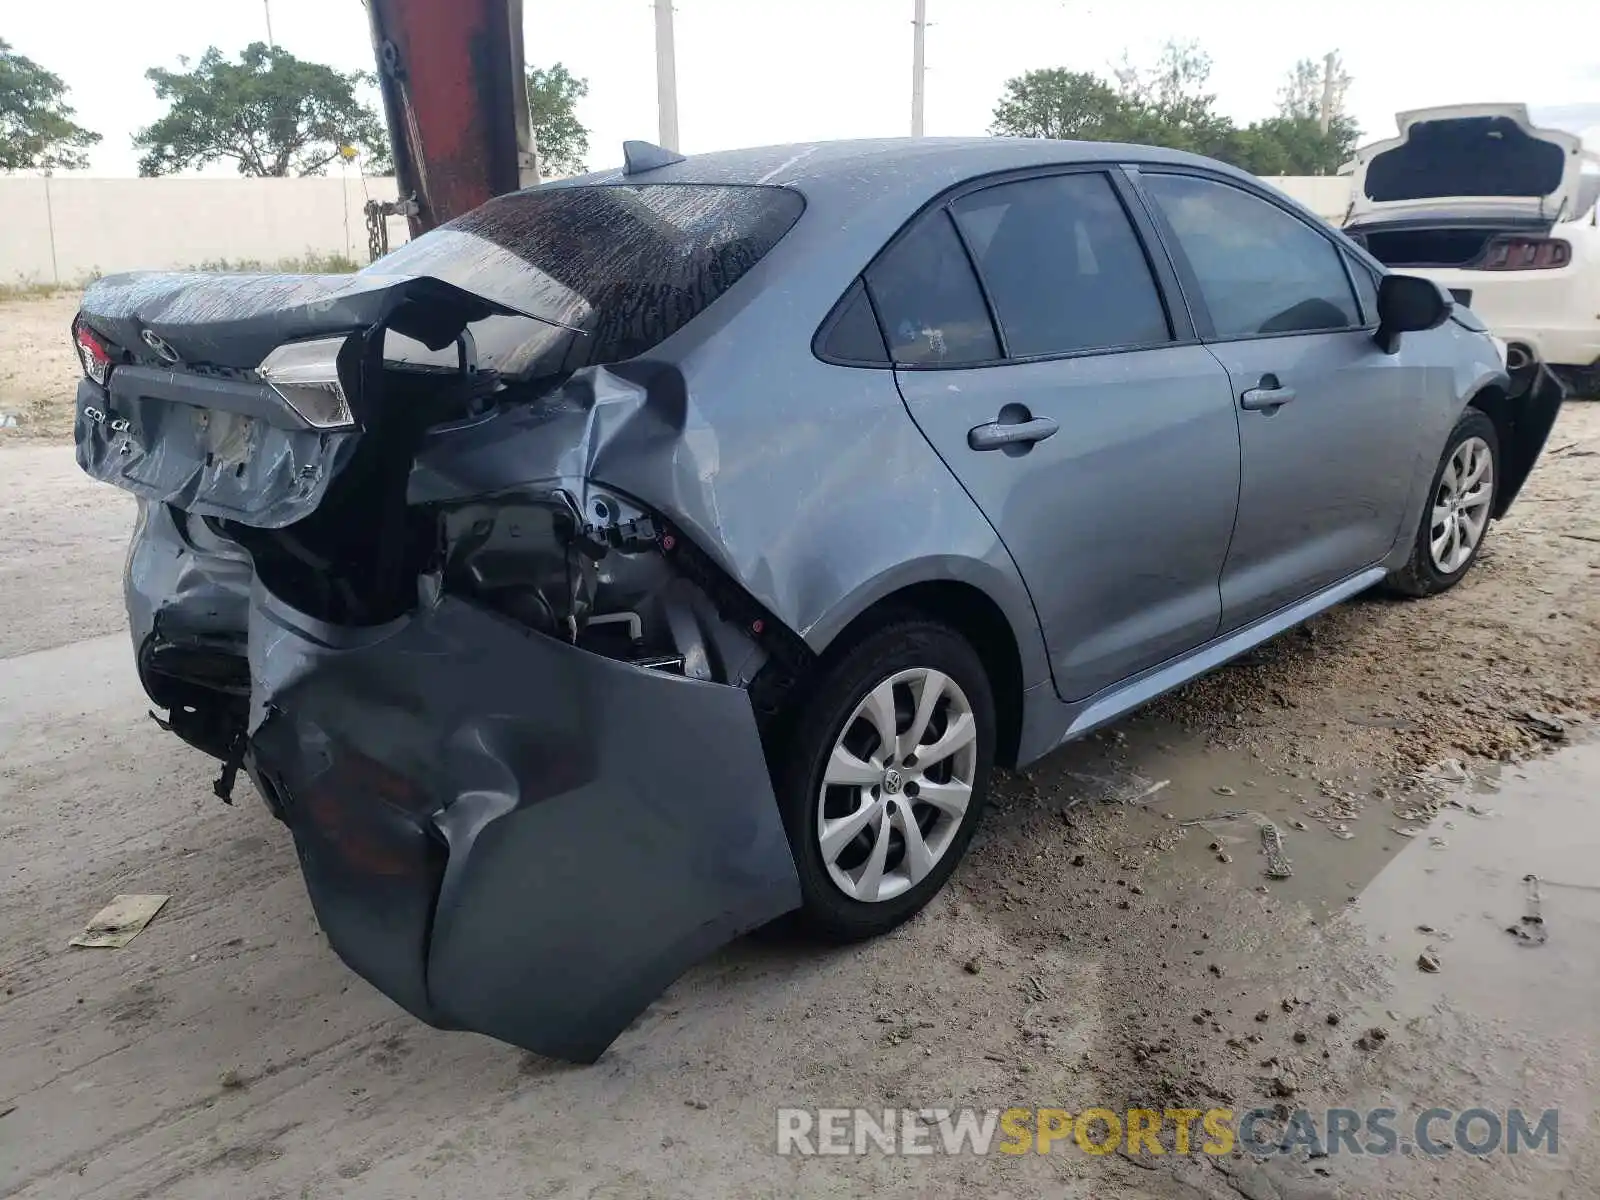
{"x":562,"y":140}
{"x":1167,"y":103}
{"x":1162,"y":105}
{"x":1294,"y":146}
{"x":37,"y":132}
{"x":1057,"y":103}
{"x":1308,"y":81}
{"x":273,"y":114}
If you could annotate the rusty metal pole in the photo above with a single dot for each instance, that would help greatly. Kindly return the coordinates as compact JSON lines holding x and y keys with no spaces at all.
{"x":450,"y":73}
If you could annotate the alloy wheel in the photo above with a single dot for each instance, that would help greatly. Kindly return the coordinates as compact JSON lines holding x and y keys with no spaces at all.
{"x":897,"y":784}
{"x":1461,"y":505}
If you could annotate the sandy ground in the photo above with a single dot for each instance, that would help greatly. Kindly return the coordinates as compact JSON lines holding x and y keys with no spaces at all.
{"x":1097,"y":948}
{"x":38,"y":367}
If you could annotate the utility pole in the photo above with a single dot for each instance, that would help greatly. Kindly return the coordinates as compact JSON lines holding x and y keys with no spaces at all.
{"x":666,"y":76}
{"x":919,"y":25}
{"x":267,"y":4}
{"x":1330,"y":64}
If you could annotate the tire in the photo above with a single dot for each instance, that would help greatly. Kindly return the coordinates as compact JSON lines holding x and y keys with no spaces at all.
{"x":1426,"y":572}
{"x":899,"y":660}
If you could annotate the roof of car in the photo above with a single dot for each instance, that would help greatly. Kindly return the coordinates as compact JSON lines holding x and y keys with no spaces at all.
{"x":936,"y":162}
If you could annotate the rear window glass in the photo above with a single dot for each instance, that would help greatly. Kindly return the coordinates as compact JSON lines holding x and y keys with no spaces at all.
{"x":1466,"y":156}
{"x":627,"y":266}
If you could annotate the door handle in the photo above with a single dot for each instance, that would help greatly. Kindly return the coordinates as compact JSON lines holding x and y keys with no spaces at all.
{"x":999,"y":435}
{"x":1266,"y":396}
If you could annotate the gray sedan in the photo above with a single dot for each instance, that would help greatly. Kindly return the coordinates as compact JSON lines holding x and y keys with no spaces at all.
{"x":646,"y":556}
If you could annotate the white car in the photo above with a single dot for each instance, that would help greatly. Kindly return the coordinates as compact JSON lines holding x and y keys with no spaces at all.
{"x":1500,"y":212}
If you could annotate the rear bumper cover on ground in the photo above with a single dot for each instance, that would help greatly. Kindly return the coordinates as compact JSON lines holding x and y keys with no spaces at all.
{"x":505,"y":833}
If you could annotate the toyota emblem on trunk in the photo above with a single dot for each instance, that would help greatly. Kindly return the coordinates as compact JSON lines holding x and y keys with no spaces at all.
{"x":159,"y":345}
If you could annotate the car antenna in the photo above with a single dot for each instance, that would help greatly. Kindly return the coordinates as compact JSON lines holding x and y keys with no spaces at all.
{"x":646,"y":156}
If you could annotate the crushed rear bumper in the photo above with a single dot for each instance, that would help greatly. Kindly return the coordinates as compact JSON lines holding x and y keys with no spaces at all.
{"x":505,"y":833}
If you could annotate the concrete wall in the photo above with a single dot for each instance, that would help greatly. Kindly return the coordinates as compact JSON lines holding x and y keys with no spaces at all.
{"x":66,"y":228}
{"x":1326,"y":195}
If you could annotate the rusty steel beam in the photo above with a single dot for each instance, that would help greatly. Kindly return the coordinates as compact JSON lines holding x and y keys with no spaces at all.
{"x":452,"y":78}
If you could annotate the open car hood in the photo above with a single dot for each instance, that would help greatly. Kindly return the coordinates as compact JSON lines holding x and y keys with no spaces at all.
{"x":1471,"y":158}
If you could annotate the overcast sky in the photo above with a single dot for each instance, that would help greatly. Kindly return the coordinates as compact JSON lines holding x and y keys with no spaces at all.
{"x":753,"y":72}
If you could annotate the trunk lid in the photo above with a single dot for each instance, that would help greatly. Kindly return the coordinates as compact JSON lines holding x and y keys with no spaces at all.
{"x":1484,"y":162}
{"x":241,"y":397}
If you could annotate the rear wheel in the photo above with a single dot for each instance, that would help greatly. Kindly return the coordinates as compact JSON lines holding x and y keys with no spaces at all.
{"x":883,"y":775}
{"x":1456,"y":517}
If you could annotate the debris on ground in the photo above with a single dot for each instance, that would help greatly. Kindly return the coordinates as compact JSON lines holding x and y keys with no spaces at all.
{"x":972,"y":966}
{"x":1530,"y":931}
{"x":1446,"y":773}
{"x":1428,"y":961}
{"x":230,"y":1079}
{"x":1372,"y":1038}
{"x":1230,"y":814}
{"x":1544,"y":724}
{"x":1125,"y":787}
{"x":119,"y":922}
{"x":1272,"y":848}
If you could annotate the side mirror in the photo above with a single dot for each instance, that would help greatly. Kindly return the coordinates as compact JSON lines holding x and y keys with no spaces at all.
{"x":1406,"y":304}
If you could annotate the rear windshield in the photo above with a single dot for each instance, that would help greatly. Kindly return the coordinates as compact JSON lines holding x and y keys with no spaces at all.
{"x":1466,"y":156}
{"x":627,"y":266}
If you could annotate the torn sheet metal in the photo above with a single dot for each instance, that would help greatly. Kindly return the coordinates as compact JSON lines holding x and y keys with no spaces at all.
{"x":211,"y":448}
{"x":506,"y":833}
{"x":119,"y":922}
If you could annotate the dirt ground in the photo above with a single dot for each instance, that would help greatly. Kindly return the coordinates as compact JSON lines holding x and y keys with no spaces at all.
{"x":38,"y":367}
{"x":1113,"y":939}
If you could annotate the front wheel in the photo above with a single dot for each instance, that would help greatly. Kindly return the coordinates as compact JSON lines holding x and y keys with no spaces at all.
{"x":1457,"y":514}
{"x":883,"y":775}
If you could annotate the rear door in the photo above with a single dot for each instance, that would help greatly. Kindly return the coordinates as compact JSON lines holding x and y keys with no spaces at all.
{"x":1328,"y":423}
{"x":1098,"y":437}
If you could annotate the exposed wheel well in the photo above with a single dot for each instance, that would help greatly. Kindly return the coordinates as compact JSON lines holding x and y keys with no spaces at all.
{"x":1494,"y":403}
{"x":977,"y":618}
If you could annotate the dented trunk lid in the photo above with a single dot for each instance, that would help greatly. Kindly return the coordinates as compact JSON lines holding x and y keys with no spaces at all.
{"x":194,"y":413}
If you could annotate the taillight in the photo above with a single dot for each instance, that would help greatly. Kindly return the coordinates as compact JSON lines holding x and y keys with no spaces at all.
{"x":306,"y":375}
{"x":92,"y":353}
{"x":1525,"y":254}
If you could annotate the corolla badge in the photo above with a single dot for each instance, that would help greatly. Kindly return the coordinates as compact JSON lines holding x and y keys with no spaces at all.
{"x":159,"y":345}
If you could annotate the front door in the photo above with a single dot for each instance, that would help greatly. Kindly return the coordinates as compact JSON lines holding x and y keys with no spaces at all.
{"x":1104,"y":453}
{"x":1327,"y":421}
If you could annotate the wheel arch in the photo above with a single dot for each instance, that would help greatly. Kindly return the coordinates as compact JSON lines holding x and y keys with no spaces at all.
{"x":1522,"y":423}
{"x":971,"y":611}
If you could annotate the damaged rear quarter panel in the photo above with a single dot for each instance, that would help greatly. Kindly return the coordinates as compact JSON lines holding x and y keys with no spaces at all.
{"x":590,"y":828}
{"x":805,"y":482}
